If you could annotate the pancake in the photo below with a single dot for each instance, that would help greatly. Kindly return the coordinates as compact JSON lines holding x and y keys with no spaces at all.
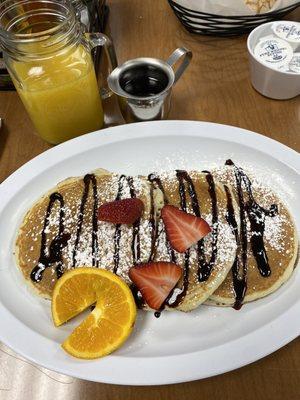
{"x":73,"y":237}
{"x":61,"y":231}
{"x":266,"y":269}
{"x":195,"y":193}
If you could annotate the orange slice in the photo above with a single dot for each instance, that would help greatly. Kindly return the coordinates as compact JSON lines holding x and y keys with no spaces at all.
{"x":108,"y":325}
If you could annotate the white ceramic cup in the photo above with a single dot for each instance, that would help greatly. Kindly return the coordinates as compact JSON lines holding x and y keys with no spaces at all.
{"x":268,"y":81}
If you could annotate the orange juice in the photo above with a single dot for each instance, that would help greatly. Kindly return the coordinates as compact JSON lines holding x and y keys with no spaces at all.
{"x":61,"y":94}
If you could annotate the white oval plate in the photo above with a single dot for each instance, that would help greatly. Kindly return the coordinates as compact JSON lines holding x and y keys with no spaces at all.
{"x":177,"y":347}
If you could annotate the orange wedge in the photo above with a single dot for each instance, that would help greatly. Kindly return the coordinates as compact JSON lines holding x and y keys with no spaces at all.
{"x":108,"y":325}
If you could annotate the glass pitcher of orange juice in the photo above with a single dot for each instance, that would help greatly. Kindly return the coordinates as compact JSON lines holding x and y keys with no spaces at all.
{"x":49,"y":59}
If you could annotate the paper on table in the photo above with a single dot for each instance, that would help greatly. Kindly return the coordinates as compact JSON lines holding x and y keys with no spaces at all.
{"x":236,"y":7}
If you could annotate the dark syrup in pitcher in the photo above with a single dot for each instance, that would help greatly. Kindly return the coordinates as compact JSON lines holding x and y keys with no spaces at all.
{"x":144,"y":80}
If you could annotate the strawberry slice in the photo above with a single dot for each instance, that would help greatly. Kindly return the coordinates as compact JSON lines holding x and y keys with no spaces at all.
{"x":125,"y":211}
{"x":155,"y":281}
{"x":183,"y":229}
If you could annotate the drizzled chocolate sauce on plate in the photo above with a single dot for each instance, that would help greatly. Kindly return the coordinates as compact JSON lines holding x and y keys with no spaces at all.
{"x":135,"y":244}
{"x":155,"y":180}
{"x":256,"y":215}
{"x":186,"y":185}
{"x":239,"y":282}
{"x":249,"y":210}
{"x":60,"y":241}
{"x":56,"y":246}
{"x":205,"y":268}
{"x":88,"y":179}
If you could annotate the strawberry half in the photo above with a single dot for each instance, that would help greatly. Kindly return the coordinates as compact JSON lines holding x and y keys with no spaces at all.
{"x":155,"y":281}
{"x":183,"y":229}
{"x":125,"y":211}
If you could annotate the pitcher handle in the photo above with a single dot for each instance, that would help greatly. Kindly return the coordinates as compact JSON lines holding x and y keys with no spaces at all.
{"x":99,"y":39}
{"x":176,"y":56}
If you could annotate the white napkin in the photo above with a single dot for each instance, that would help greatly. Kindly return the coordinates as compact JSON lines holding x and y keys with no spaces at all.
{"x":236,"y":7}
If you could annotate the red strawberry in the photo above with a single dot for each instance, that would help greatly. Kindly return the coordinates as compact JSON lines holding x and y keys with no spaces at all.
{"x":125,"y":211}
{"x":183,"y":229}
{"x":155,"y":281}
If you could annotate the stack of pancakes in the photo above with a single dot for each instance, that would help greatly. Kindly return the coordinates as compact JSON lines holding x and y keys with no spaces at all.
{"x":66,"y":234}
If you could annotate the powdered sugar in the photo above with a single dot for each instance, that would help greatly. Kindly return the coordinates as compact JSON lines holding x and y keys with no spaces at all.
{"x":274,"y":232}
{"x":105,"y":253}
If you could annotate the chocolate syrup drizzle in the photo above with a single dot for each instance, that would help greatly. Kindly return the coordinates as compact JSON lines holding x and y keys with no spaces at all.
{"x":204,"y":267}
{"x":248,"y":208}
{"x":61,"y":240}
{"x":89,"y":178}
{"x":117,"y":234}
{"x":54,"y":253}
{"x":182,"y":176}
{"x":152,"y":224}
{"x":239,"y":282}
{"x":256,"y":215}
{"x":135,"y":244}
{"x":154,"y":179}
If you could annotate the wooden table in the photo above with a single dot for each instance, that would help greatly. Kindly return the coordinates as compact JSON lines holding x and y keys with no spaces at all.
{"x":216,"y":87}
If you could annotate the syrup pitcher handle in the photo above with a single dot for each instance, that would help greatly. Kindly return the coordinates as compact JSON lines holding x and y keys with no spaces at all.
{"x":185,"y":55}
{"x":99,"y":39}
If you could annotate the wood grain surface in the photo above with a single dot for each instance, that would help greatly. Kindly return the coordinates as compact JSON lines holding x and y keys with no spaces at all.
{"x":216,"y":87}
